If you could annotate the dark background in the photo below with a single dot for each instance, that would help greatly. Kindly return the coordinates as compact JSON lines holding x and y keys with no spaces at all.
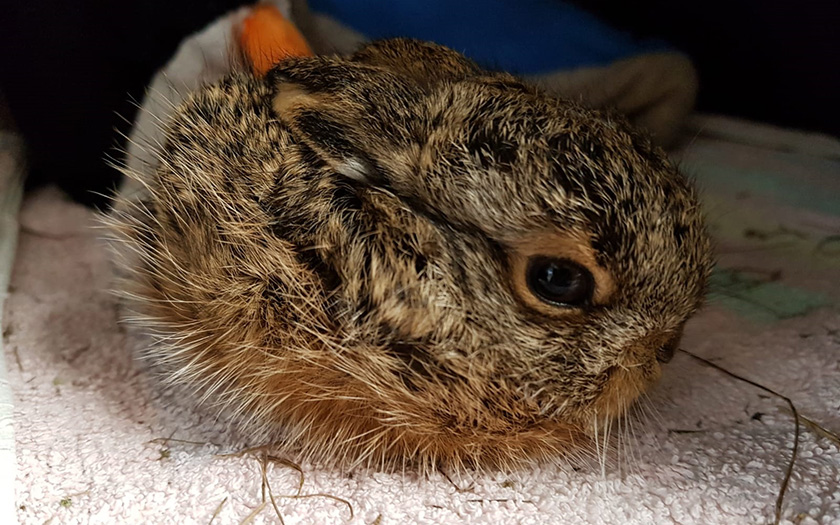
{"x":774,"y":61}
{"x":69,"y":69}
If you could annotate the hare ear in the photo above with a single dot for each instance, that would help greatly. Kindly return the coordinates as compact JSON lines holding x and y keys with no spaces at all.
{"x":429,"y":65}
{"x":357,"y":117}
{"x":357,"y":169}
{"x":426,"y":63}
{"x":327,"y":124}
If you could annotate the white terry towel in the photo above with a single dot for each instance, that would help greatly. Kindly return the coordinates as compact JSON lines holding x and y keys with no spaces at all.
{"x":93,"y":433}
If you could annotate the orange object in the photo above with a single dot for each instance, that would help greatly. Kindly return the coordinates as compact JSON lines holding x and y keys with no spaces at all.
{"x":267,"y":37}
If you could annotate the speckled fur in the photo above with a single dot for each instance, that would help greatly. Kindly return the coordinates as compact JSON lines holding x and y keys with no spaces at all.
{"x":327,"y":253}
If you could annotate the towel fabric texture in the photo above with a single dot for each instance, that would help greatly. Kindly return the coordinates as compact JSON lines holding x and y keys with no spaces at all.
{"x":98,"y":441}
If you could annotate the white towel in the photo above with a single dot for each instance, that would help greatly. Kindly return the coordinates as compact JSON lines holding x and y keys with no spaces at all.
{"x":710,"y":449}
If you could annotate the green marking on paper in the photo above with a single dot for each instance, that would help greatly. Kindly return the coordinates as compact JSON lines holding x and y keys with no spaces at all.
{"x":781,"y":187}
{"x":760,"y":296}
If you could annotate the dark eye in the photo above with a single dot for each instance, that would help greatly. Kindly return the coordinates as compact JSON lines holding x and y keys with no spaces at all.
{"x":559,"y":282}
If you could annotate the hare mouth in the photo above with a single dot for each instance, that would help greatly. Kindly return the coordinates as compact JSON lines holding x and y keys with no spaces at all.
{"x":623,"y":386}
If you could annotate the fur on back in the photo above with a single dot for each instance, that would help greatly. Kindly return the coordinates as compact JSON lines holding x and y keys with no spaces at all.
{"x":335,"y":253}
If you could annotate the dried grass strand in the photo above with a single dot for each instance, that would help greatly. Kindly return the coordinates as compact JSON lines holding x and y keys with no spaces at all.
{"x":253,"y":514}
{"x":267,"y":485}
{"x":820,"y":430}
{"x":261,"y":452}
{"x":789,"y":471}
{"x":217,"y":511}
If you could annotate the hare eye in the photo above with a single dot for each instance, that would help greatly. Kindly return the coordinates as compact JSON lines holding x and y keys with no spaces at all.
{"x":559,"y":282}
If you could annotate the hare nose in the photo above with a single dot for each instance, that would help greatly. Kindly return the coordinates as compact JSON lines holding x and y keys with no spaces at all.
{"x":666,"y":352}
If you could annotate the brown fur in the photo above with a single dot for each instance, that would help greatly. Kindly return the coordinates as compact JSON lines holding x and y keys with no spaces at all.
{"x":334,"y":254}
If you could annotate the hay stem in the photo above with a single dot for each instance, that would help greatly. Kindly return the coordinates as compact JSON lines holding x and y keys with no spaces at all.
{"x":789,"y":471}
{"x":253,"y":514}
{"x":217,"y":511}
{"x":264,"y":457}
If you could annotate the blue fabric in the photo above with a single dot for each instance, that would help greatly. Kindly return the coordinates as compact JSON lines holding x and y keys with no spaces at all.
{"x":521,"y":36}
